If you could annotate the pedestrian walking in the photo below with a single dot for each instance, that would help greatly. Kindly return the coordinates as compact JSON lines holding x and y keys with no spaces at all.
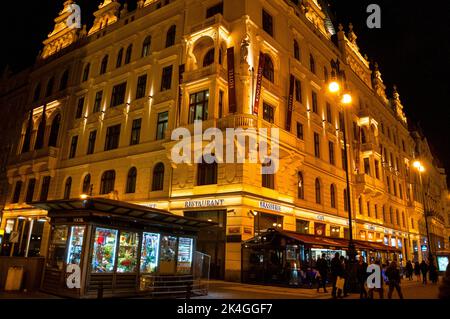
{"x":444,"y":289}
{"x":409,"y":270}
{"x":380,"y":290}
{"x":345,"y":275}
{"x":393,"y":275}
{"x":433,"y":273}
{"x":362,"y":278}
{"x":322,"y":267}
{"x":424,"y":271}
{"x":336,"y":272}
{"x":417,"y":270}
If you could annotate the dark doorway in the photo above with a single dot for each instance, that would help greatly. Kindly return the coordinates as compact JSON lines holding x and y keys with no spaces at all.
{"x":211,"y":241}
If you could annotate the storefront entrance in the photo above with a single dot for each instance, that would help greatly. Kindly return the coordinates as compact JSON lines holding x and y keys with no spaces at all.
{"x":211,"y":241}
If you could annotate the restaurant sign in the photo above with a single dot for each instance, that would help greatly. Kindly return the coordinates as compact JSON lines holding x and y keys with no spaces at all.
{"x":270,"y":206}
{"x":204,"y":203}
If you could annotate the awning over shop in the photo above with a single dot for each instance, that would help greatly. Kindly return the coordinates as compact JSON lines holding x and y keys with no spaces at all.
{"x":118,"y":210}
{"x":315,"y":241}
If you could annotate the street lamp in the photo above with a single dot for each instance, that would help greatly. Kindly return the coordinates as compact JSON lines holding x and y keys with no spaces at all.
{"x":338,"y":81}
{"x":420,"y":169}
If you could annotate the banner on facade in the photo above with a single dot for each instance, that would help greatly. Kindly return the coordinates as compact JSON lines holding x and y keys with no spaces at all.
{"x":290,"y":106}
{"x":232,"y":106}
{"x":259,"y":83}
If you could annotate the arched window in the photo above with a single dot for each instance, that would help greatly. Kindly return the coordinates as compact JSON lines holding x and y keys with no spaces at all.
{"x":107,"y":182}
{"x":345,"y":201}
{"x":170,"y":38}
{"x":318,"y":194}
{"x":158,"y":177}
{"x":119,"y":58}
{"x":87,"y":185}
{"x":86,"y":72}
{"x":67,"y":188}
{"x":209,"y":58}
{"x":54,"y":131}
{"x":131,"y":181}
{"x":128,"y":54}
{"x":104,"y":65}
{"x":300,"y":186}
{"x":207,"y":174}
{"x":64,"y":80}
{"x":268,"y":72}
{"x":50,"y":84}
{"x":296,"y":50}
{"x":146,"y":46}
{"x":40,"y":136}
{"x":333,"y":196}
{"x":37,"y":92}
{"x":312,"y":64}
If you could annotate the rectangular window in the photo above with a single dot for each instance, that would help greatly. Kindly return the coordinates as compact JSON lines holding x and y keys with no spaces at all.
{"x":302,"y":226}
{"x":367,"y":166}
{"x":329,"y":115}
{"x":17,"y":191}
{"x":298,"y":91}
{"x":118,"y":94}
{"x":91,"y":142}
{"x":212,"y":11}
{"x":377,"y":169}
{"x":331,"y":153}
{"x":141,"y":86}
{"x":80,"y":107}
{"x":268,"y":114}
{"x":104,"y":250}
{"x":98,"y":101}
{"x":317,"y":145}
{"x":220,"y":104}
{"x":198,"y":106}
{"x":267,"y":22}
{"x":112,"y":137}
{"x":166,"y":78}
{"x":136,"y":132}
{"x":30,"y":190}
{"x":73,"y":146}
{"x":315,"y":106}
{"x":300,"y":131}
{"x":45,"y":188}
{"x":161,"y":127}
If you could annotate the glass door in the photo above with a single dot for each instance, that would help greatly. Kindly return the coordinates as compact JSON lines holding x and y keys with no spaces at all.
{"x":167,"y":261}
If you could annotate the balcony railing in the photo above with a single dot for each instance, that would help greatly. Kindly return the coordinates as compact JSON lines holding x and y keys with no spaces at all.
{"x":48,"y":152}
{"x":213,"y":69}
{"x":217,"y":19}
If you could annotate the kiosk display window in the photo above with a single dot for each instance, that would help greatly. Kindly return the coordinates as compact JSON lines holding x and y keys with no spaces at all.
{"x":128,"y":249}
{"x":149,"y":252}
{"x":75,"y":245}
{"x":57,"y":247}
{"x":185,"y":246}
{"x":104,"y":252}
{"x":168,"y":251}
{"x":442,"y":262}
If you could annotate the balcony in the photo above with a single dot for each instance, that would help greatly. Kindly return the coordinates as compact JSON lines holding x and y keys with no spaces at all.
{"x":368,"y":185}
{"x":370,"y":147}
{"x":217,"y":19}
{"x":48,"y":154}
{"x":211,"y":70}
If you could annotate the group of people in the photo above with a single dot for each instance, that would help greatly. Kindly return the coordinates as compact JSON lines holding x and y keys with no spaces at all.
{"x":337,"y":270}
{"x":421,"y":270}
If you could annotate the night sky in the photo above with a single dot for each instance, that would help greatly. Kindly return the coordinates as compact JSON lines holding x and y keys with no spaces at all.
{"x":412,"y":49}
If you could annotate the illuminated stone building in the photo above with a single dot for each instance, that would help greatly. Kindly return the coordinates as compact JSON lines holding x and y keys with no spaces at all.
{"x":106,"y":98}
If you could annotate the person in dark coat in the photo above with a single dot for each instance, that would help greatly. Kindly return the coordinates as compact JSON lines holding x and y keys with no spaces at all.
{"x":417,"y":270}
{"x":393,"y":274}
{"x":433,"y":272}
{"x":444,"y":289}
{"x":322,"y":267}
{"x":362,"y":277}
{"x":409,"y":270}
{"x":424,"y":271}
{"x":336,"y":271}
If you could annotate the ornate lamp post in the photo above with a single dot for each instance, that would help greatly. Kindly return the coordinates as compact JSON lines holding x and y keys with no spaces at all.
{"x":338,"y":86}
{"x":420,"y":169}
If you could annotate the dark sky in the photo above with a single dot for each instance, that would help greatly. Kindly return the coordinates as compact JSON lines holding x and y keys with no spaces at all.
{"x":412,"y":49}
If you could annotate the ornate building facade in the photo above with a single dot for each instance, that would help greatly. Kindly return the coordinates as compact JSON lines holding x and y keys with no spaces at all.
{"x":104,"y":101}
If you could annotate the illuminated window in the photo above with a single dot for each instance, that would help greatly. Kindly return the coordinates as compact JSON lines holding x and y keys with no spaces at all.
{"x":300,"y":186}
{"x":198,"y":106}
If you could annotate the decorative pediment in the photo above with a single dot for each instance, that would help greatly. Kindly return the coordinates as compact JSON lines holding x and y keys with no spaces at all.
{"x":107,"y":13}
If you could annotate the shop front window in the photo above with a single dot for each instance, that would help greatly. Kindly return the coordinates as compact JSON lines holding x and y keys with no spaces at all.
{"x":168,"y":251}
{"x":335,"y":231}
{"x":57,"y":247}
{"x":75,"y":245}
{"x":150,"y":252}
{"x":302,"y":226}
{"x":104,"y":252}
{"x":128,"y":247}
{"x":185,"y":246}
